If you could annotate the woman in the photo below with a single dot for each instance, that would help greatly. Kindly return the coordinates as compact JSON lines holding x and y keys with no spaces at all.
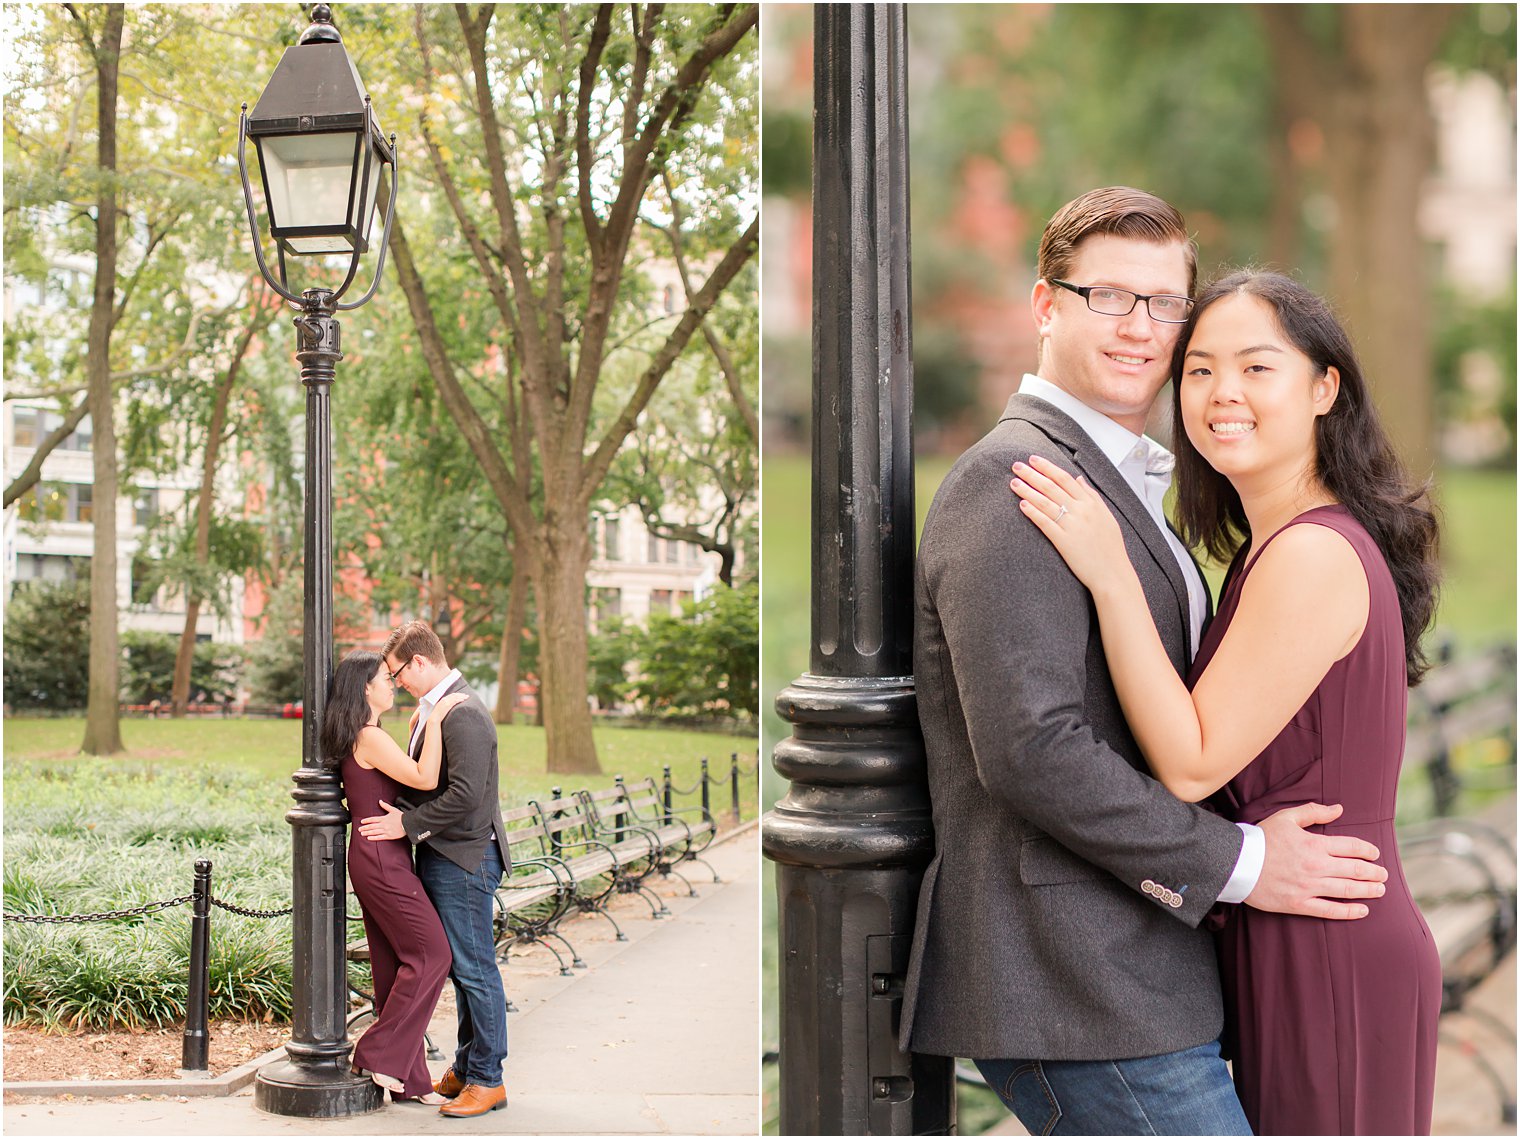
{"x":409,"y":954}
{"x":1298,"y":691}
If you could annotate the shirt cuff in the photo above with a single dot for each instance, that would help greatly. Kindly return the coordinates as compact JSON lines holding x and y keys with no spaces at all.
{"x":1253,"y":854}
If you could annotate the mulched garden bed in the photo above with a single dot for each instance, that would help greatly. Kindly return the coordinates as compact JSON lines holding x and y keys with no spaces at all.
{"x":150,"y":1054}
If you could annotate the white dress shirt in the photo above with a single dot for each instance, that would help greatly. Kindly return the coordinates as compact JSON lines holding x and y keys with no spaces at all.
{"x":1147,"y":467}
{"x":426,"y":704}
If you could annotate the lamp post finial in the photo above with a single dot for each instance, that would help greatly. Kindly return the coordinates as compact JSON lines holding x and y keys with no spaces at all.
{"x":321,"y":29}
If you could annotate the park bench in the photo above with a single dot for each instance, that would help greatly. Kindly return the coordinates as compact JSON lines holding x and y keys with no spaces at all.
{"x":1462,"y":873}
{"x":1461,"y":869}
{"x":604,"y":863}
{"x":1461,"y":701}
{"x":681,"y":832}
{"x":536,"y":892}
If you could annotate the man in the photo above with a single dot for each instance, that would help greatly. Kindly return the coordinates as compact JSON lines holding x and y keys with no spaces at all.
{"x":1058,"y":940}
{"x":461,"y":856}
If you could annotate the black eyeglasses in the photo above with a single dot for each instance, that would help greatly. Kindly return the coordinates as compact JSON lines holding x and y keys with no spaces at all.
{"x":1109,"y":301}
{"x":397,"y":673}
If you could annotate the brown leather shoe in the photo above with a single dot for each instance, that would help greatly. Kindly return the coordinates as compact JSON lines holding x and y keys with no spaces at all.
{"x":449,"y":1084}
{"x":475,"y":1100}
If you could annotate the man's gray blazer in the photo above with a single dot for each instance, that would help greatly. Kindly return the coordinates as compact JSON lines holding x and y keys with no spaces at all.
{"x":1059,"y":918}
{"x":458,"y":817}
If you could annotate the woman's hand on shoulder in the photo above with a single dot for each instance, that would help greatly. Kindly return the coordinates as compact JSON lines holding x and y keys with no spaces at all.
{"x":1074,"y":517}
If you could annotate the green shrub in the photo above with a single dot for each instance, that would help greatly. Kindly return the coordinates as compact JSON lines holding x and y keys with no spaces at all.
{"x":47,"y":645}
{"x":147,"y":668}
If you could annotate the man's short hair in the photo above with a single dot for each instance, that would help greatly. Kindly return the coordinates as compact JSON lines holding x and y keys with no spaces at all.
{"x":1118,"y":211}
{"x":415,"y":638}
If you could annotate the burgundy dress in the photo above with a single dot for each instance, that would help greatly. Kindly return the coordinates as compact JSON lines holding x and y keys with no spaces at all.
{"x":1332,"y":1024}
{"x":408,"y":952}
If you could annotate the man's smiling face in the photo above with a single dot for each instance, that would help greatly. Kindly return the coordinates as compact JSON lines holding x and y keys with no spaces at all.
{"x":1114,"y":364}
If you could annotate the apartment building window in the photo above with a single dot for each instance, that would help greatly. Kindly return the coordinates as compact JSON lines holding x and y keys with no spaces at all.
{"x":57,"y":502}
{"x":673,"y":552}
{"x":31,"y":425}
{"x":609,"y":606}
{"x":654,"y":548}
{"x":612,"y":543}
{"x":659,"y":601}
{"x":145,"y":508}
{"x":45,"y":502}
{"x":51,"y":567}
{"x":144,"y":589}
{"x":25,"y":422}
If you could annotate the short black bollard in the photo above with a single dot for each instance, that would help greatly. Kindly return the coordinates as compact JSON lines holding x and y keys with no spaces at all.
{"x":733,"y":779}
{"x":194,"y":1056}
{"x":555,"y":838}
{"x":706,"y":797}
{"x":620,"y":820}
{"x":667,"y":818}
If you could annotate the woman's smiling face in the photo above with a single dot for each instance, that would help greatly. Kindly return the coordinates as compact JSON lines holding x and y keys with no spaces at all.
{"x":1249,"y":397}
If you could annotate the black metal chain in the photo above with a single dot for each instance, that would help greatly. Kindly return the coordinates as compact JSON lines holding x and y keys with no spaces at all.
{"x":232,"y":909}
{"x":74,"y":919}
{"x":168,"y":903}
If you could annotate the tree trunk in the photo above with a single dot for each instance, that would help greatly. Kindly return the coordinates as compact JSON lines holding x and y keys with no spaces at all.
{"x":102,"y":727}
{"x":511,"y":648}
{"x":560,"y":586}
{"x":179,"y":693}
{"x":1371,"y":105}
{"x":1380,"y":138}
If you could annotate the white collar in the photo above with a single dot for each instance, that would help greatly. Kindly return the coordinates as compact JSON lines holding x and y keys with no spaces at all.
{"x":437,"y":692}
{"x":1114,"y":441}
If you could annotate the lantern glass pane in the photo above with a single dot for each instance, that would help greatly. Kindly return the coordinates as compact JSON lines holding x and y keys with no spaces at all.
{"x":362,"y":225}
{"x":309,"y":176}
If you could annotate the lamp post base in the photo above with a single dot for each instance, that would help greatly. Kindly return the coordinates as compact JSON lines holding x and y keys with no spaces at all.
{"x":286,"y":1088}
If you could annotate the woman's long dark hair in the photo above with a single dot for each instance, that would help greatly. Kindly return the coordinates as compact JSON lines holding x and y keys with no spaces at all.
{"x":347,"y":709}
{"x":1354,"y":459}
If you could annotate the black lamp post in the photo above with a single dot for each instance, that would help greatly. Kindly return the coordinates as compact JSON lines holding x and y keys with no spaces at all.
{"x":320,"y":157}
{"x":854,"y":833}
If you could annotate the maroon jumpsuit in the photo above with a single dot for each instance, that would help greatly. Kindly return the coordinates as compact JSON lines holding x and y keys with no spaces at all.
{"x":1332,"y":1024}
{"x":408,"y":952}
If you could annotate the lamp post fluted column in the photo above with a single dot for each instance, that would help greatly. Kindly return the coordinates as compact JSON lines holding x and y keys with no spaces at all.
{"x":853,"y":834}
{"x":315,"y":1079}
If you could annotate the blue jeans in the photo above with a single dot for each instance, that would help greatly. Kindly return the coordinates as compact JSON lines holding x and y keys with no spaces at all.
{"x":463,"y":901}
{"x":1180,"y":1093}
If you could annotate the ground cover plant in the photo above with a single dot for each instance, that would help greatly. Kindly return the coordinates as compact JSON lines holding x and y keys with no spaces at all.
{"x":97,"y":836}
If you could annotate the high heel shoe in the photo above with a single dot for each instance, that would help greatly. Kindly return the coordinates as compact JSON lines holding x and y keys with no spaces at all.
{"x":389,"y":1083}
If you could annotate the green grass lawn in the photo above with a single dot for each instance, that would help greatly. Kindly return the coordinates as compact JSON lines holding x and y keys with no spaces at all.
{"x":273,"y":748}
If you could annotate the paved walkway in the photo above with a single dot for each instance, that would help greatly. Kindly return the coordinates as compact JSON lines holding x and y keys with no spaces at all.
{"x":656,"y":1036}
